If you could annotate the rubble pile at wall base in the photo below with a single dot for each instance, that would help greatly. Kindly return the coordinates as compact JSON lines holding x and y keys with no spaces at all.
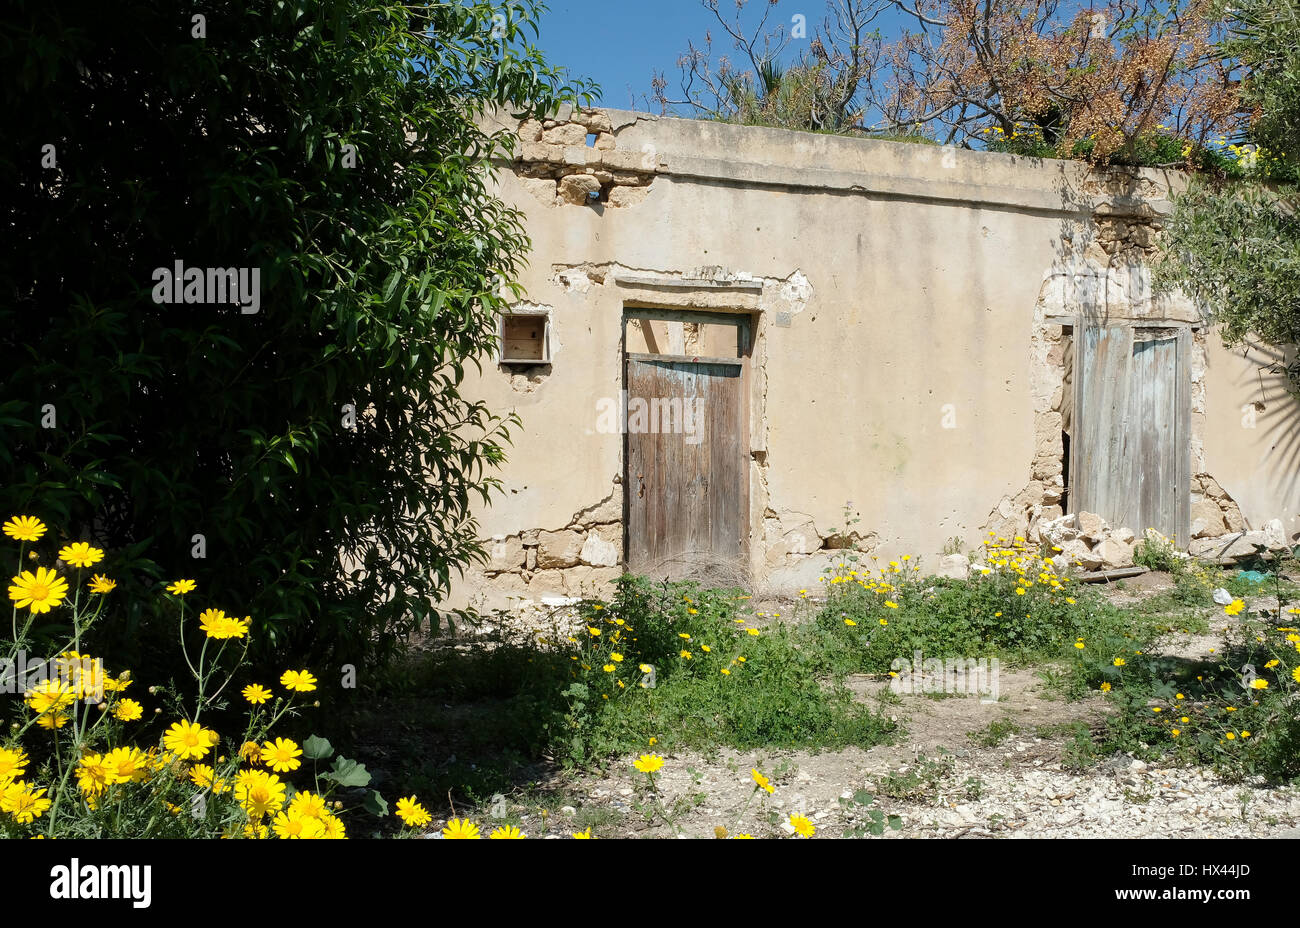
{"x":1089,"y":542}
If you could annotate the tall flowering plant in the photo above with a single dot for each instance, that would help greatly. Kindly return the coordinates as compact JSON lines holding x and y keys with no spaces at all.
{"x":86,"y":757}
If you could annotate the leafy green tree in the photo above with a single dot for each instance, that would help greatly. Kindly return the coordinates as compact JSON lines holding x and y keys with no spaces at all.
{"x":1236,"y":244}
{"x":320,"y":445}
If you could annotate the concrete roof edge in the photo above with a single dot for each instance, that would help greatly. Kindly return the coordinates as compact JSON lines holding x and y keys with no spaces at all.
{"x":762,"y":155}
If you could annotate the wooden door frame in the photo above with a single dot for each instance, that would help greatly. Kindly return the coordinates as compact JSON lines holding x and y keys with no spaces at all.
{"x":748,"y":321}
{"x":1182,"y":393}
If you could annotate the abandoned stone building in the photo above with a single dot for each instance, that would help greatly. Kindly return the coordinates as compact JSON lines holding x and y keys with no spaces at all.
{"x":744,"y":349}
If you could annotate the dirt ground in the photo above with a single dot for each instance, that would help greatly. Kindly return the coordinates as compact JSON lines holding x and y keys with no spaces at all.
{"x":949,"y":775}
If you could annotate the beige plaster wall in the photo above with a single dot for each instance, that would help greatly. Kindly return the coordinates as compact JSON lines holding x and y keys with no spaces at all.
{"x":1252,"y":440}
{"x":907,"y":379}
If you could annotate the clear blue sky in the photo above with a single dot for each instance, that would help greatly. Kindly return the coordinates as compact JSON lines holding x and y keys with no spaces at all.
{"x":620,"y":43}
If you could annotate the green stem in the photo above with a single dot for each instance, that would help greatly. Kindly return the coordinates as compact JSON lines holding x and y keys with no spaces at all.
{"x":203,"y":652}
{"x":745,"y":808}
{"x":184,"y":650}
{"x":76,"y":616}
{"x":230,"y":676}
{"x":14,"y":619}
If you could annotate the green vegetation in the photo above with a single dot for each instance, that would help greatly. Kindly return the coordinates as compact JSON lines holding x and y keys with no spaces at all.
{"x":1156,"y":552}
{"x":557,"y":698}
{"x":694,"y":673}
{"x":309,"y":454}
{"x":998,"y":730}
{"x":919,"y":782}
{"x":1231,"y":708}
{"x":1018,"y":608}
{"x":699,"y":673}
{"x":864,"y":820}
{"x":1237,"y":246}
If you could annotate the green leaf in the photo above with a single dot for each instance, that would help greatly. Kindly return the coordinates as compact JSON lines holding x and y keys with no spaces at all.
{"x":346,"y":772}
{"x":375,"y":804}
{"x":316,"y":748}
{"x":390,"y":287}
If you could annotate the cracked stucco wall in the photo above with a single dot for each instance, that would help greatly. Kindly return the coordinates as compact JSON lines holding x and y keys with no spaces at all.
{"x":1104,"y":276}
{"x":902,"y":367}
{"x":576,"y":558}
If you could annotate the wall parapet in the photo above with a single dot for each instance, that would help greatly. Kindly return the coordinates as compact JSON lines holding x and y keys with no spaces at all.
{"x":631,"y":149}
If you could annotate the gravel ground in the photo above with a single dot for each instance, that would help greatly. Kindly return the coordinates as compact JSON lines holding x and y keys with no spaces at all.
{"x":939,"y":780}
{"x":1125,"y":799}
{"x":1030,"y":798}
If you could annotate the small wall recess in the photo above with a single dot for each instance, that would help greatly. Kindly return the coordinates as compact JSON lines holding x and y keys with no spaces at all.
{"x":525,"y":338}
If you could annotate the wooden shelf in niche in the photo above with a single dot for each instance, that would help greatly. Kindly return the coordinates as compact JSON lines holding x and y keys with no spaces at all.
{"x":525,"y":338}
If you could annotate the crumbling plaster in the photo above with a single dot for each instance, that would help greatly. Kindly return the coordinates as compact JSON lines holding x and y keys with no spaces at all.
{"x":1104,"y":277}
{"x":904,"y":360}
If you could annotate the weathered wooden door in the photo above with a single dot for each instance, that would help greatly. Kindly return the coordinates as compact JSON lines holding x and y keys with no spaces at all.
{"x":687,"y":481}
{"x":1132,"y":450}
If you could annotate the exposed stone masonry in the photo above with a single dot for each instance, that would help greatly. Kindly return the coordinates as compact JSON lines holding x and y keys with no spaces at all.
{"x":558,"y":167}
{"x":1104,"y":274}
{"x":572,"y":560}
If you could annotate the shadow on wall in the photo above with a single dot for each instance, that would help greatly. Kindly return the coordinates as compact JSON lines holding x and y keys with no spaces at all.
{"x":1076,"y":230}
{"x":1271,"y":408}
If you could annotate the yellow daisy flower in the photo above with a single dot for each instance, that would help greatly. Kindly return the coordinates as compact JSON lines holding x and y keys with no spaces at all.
{"x":803,"y":825}
{"x":256,"y":693}
{"x":101,"y":584}
{"x":80,"y":554}
{"x":24,"y":528}
{"x":281,"y":755}
{"x":648,"y":763}
{"x":189,"y":741}
{"x":461,"y":828}
{"x":128,"y":710}
{"x":415,"y":815}
{"x":40,"y":591}
{"x":300,"y":681}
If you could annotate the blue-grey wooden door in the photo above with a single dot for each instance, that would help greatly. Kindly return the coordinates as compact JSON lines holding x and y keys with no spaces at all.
{"x":1132,"y":448}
